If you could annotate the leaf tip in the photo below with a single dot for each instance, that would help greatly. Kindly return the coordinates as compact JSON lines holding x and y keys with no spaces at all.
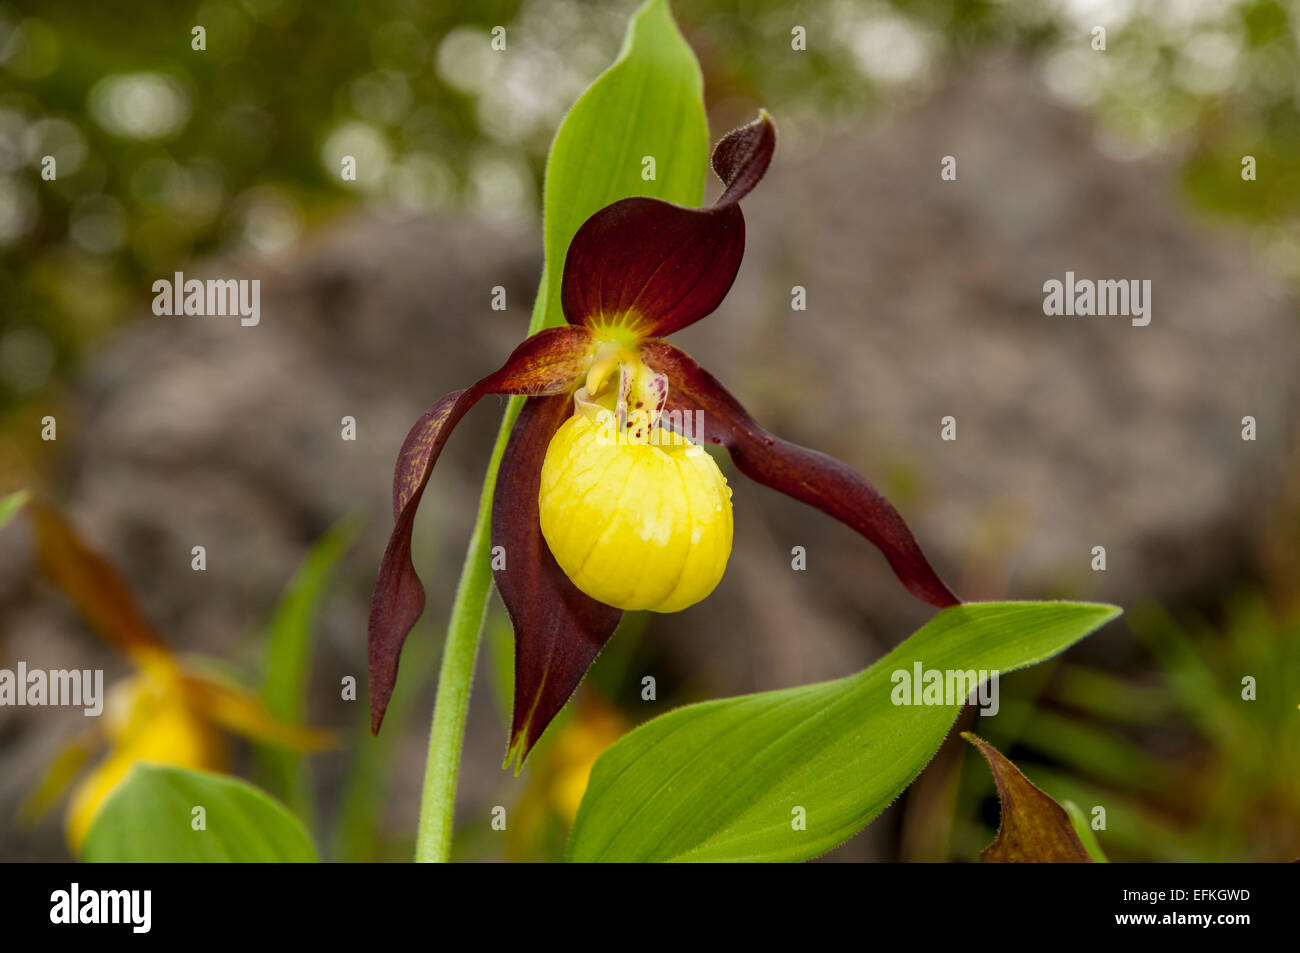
{"x":1033,"y":827}
{"x":516,"y":752}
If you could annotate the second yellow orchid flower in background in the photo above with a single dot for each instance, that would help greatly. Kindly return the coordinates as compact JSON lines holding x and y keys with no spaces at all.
{"x":167,"y":713}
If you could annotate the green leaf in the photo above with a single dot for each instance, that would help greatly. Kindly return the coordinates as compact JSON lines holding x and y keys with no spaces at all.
{"x":10,"y":505}
{"x":724,"y":780}
{"x":288,"y":661}
{"x":649,"y":103}
{"x":1085,"y":832}
{"x":151,"y":815}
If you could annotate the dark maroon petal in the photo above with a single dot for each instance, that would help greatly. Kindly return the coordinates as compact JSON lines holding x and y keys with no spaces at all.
{"x":809,"y":476}
{"x":652,"y":267}
{"x":558,"y":630}
{"x":550,"y":362}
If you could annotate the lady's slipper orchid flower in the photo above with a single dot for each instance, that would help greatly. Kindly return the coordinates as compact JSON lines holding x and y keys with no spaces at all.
{"x":605,"y":501}
{"x":166,"y":713}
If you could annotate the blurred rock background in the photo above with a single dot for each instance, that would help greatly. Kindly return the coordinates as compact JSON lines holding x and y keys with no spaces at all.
{"x":924,"y":300}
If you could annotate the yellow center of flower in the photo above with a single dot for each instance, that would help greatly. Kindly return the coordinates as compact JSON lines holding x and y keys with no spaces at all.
{"x":635,"y":515}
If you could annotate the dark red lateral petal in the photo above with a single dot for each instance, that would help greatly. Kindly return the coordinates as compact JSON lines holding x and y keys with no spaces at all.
{"x":653,"y":267}
{"x":807,"y":475}
{"x":558,"y":630}
{"x":550,"y":362}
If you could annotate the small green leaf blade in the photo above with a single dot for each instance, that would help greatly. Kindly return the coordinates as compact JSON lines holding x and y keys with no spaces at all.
{"x":648,"y":103}
{"x":290,"y":639}
{"x":10,"y":505}
{"x":149,"y":818}
{"x":722,"y":780}
{"x":1084,"y":830}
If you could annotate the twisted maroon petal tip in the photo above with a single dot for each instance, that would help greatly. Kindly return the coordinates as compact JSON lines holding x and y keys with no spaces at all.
{"x":550,"y":362}
{"x":742,"y":156}
{"x":807,"y":475}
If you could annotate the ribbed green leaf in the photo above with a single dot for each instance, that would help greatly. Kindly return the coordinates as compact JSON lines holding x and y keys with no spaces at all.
{"x":731,"y":779}
{"x":648,"y":104}
{"x":152,"y":817}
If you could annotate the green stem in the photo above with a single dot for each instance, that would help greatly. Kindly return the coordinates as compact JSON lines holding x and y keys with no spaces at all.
{"x":446,"y":737}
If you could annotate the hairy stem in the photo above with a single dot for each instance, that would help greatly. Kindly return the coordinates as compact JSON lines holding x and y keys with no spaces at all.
{"x":447,"y":735}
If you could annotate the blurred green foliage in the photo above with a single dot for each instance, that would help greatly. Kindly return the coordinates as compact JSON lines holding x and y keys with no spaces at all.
{"x":1190,"y":763}
{"x":290,"y":642}
{"x":163,"y":152}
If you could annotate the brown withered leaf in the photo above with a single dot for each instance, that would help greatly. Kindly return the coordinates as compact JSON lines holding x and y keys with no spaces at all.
{"x":1034,"y":828}
{"x":100,"y":593}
